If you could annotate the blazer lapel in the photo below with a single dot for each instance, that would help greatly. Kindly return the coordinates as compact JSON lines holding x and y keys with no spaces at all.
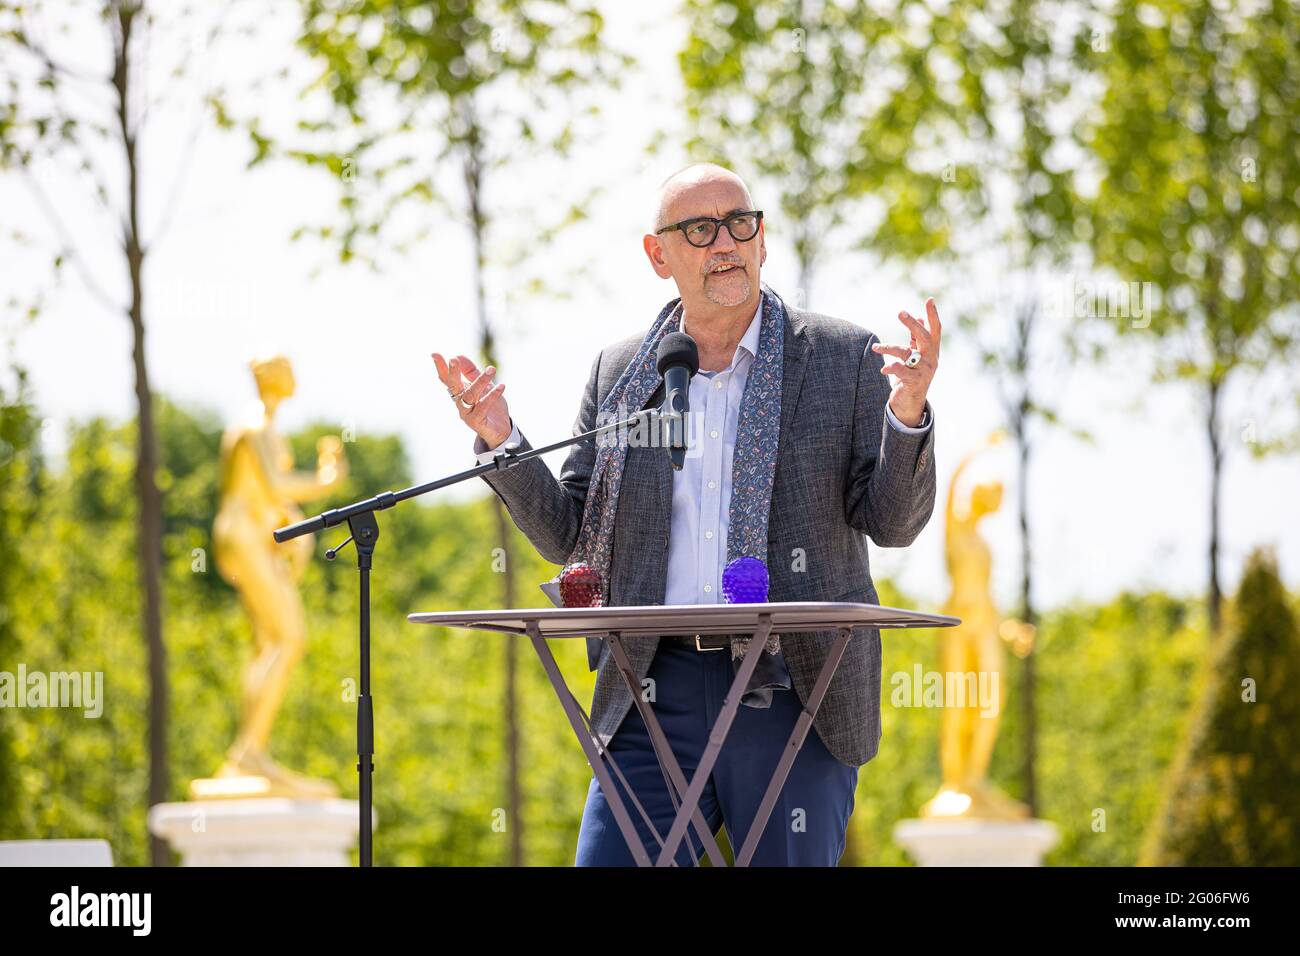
{"x":647,"y":492}
{"x":661,"y":474}
{"x":794,"y":362}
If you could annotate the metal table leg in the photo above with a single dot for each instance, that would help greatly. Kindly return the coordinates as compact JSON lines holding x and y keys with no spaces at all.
{"x":598,"y":767}
{"x":717,"y":736}
{"x":793,"y":745}
{"x":663,"y":752}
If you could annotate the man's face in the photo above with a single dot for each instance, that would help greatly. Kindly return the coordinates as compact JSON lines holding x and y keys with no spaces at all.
{"x":725,"y":273}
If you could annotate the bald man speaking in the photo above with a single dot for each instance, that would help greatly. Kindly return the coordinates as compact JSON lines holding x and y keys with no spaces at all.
{"x":804,"y":440}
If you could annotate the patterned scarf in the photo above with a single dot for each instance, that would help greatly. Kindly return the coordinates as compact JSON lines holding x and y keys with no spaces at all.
{"x":753,"y":467}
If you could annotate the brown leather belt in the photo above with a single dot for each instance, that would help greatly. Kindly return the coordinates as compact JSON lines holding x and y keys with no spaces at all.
{"x":713,"y":642}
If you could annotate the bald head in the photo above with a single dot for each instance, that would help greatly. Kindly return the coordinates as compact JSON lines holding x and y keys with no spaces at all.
{"x":676,"y":190}
{"x":718,"y":281}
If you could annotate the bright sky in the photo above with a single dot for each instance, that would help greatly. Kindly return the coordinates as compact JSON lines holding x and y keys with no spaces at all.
{"x":225,"y":282}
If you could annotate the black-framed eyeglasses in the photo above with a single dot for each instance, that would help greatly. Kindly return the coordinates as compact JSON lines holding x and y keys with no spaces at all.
{"x":701,"y":231}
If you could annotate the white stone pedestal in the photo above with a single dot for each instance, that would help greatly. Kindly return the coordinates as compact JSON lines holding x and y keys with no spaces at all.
{"x":268,"y":831}
{"x":976,"y":842}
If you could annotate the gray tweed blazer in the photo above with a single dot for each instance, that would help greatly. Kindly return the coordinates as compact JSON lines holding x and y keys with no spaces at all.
{"x":842,"y":472}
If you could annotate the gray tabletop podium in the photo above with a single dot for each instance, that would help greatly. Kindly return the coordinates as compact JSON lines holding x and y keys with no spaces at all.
{"x":615,"y":625}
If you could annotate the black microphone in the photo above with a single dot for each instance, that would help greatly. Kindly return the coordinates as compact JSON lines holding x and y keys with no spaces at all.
{"x":678,"y":360}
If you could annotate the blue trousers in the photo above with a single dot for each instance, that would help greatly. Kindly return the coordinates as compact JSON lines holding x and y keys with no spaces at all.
{"x":809,"y":820}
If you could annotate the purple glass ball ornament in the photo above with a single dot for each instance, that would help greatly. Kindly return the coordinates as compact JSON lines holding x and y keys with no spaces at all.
{"x":744,"y":581}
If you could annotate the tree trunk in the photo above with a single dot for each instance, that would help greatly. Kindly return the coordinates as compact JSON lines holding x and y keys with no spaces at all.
{"x":148,"y":495}
{"x":1215,"y":596}
{"x":1027,"y":614}
{"x":487,"y":347}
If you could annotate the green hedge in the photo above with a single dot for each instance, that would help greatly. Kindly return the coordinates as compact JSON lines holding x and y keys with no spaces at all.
{"x":1115,"y":681}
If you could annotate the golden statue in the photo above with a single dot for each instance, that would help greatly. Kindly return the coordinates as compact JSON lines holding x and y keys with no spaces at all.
{"x":260,"y":492}
{"x":975,"y":645}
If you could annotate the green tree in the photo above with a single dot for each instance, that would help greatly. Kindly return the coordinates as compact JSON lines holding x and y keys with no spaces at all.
{"x":1016,"y":220}
{"x":418,"y":91}
{"x":88,"y":122}
{"x":845,"y":109}
{"x":1198,"y":153}
{"x":1232,"y":794}
{"x":20,"y":477}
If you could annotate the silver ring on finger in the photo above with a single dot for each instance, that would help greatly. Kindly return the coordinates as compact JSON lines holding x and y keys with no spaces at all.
{"x":913,"y":359}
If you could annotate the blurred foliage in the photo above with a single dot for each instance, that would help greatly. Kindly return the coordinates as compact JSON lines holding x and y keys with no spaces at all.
{"x":1113,"y":687}
{"x":20,"y":476}
{"x":439,"y":736}
{"x":1234,"y":797}
{"x":1196,"y":144}
{"x":404,"y":90}
{"x":1114,"y":681}
{"x":1197,"y":141}
{"x":893,"y":120}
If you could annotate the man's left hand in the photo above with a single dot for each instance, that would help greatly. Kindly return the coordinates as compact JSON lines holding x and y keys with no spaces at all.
{"x":907,"y":399}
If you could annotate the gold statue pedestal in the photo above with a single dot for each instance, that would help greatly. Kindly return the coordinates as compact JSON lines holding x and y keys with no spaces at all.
{"x":981,"y":801}
{"x":260,"y":777}
{"x":970,"y":841}
{"x":270,"y":831}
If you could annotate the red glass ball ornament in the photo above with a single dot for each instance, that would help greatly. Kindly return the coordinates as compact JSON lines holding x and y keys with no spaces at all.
{"x":580,"y":586}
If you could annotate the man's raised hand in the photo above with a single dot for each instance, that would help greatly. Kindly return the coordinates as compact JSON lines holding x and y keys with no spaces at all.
{"x":907,"y":400}
{"x":480,"y":404}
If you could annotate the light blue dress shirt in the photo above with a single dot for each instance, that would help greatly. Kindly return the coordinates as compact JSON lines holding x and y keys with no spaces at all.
{"x":697,"y":540}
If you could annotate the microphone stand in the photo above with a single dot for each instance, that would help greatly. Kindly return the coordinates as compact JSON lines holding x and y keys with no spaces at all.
{"x":360,"y":518}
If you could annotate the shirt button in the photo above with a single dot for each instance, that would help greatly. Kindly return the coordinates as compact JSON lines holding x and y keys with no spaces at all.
{"x":713,"y":484}
{"x":708,"y":535}
{"x":713,"y":433}
{"x":708,"y":588}
{"x":717,"y":385}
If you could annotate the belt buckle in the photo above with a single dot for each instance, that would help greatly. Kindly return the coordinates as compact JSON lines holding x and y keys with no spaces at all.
{"x":702,"y":649}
